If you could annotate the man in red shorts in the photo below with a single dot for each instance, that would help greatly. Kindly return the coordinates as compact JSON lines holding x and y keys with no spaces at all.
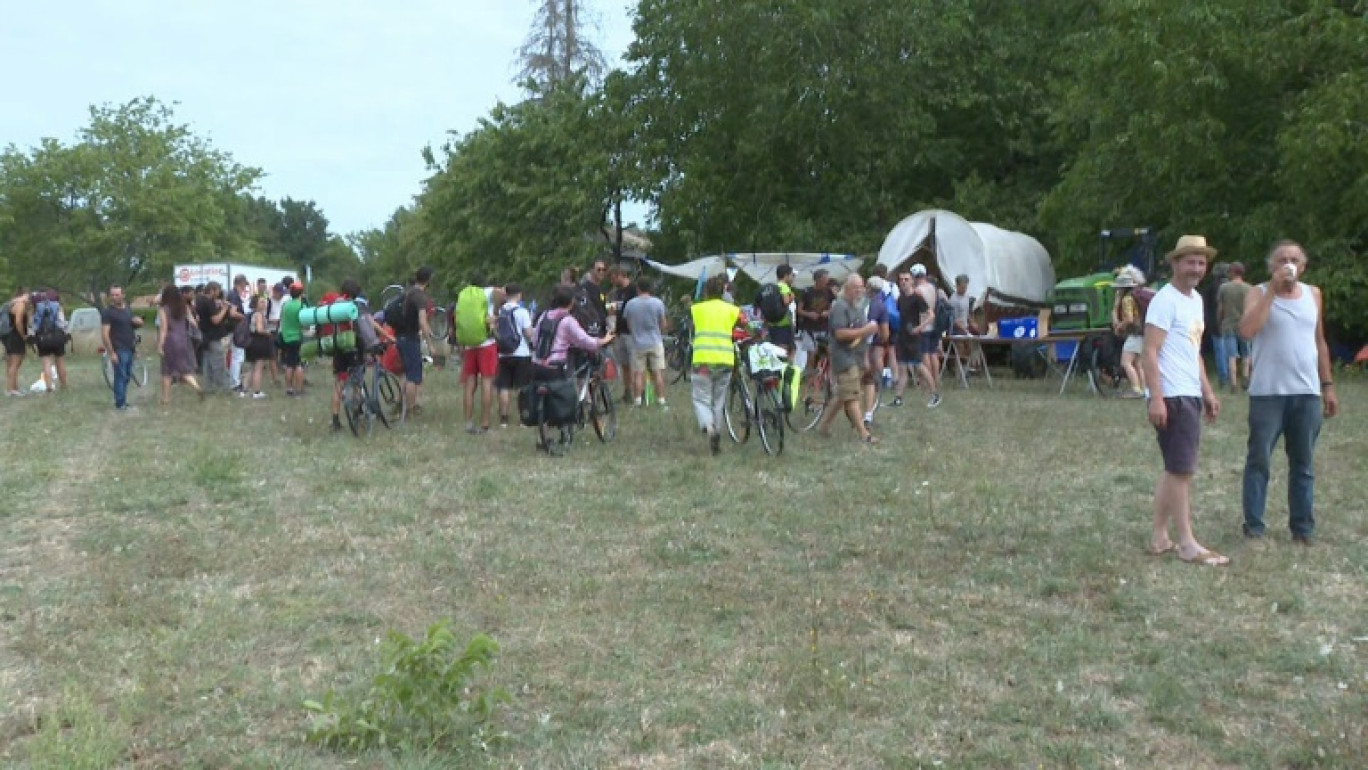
{"x":480,"y":364}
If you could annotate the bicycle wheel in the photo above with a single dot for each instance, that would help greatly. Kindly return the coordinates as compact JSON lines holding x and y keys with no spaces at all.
{"x":391,"y":293}
{"x":439,"y":322}
{"x":351,"y":407}
{"x":816,"y":391}
{"x":107,"y":369}
{"x":771,"y":422}
{"x":602,"y":413}
{"x":374,"y":407}
{"x":139,"y":373}
{"x":736,"y":412}
{"x":678,"y":358}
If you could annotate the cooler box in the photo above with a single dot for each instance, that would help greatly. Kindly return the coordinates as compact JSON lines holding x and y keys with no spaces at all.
{"x":1019,"y":328}
{"x":1065,"y":350}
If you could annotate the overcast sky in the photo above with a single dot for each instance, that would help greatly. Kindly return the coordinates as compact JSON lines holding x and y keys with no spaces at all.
{"x":333,"y":99}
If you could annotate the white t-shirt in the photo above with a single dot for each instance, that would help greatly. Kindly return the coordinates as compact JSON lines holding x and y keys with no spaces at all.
{"x":1180,"y":358}
{"x":523,"y":321}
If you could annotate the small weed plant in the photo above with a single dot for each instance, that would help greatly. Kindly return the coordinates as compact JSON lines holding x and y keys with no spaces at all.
{"x":426,"y":696}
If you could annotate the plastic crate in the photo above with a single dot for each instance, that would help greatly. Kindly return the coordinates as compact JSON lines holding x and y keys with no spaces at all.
{"x":1024,"y":328}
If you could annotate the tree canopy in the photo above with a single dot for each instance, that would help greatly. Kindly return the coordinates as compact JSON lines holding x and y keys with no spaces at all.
{"x":135,"y":194}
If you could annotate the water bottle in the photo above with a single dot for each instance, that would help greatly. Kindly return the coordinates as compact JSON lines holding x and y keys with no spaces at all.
{"x":887,"y":378}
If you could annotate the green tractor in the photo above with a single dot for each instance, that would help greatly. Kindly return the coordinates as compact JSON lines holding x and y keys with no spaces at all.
{"x":1085,"y":303}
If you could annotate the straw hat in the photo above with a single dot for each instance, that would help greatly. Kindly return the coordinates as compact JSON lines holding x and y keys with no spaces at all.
{"x":1191,"y":244}
{"x":1129,"y":277}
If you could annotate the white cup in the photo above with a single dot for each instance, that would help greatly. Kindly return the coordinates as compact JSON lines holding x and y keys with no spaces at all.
{"x":1291,"y":270}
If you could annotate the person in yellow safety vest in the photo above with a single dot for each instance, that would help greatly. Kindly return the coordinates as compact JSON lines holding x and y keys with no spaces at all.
{"x":713,"y":358}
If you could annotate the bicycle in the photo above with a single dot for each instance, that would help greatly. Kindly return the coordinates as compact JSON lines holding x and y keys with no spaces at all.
{"x":679,"y":348}
{"x":814,"y":392}
{"x":764,"y":407}
{"x":361,"y":401}
{"x":137,"y":375}
{"x":593,"y":407}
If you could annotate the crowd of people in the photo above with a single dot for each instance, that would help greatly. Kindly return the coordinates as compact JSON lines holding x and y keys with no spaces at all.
{"x":877,"y":334}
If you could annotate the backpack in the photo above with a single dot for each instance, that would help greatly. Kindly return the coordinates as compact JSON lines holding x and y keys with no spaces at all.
{"x":770,"y":303}
{"x":894,"y":314}
{"x":1143,"y":296}
{"x":366,"y":336}
{"x":472,"y":310}
{"x":242,"y":333}
{"x":546,"y":337}
{"x":6,"y":320}
{"x":945,"y":316}
{"x":394,"y":314}
{"x":586,"y":312}
{"x":507,"y":335}
{"x":44,"y":318}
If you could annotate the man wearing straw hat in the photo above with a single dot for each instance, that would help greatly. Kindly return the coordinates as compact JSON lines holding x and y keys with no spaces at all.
{"x":1180,"y":396}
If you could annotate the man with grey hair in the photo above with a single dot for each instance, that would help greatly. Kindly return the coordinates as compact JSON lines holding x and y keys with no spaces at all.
{"x":1291,"y":389}
{"x":850,"y":330}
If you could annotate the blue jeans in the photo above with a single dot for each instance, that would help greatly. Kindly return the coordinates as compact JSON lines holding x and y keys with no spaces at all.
{"x":123,"y":372}
{"x":1298,"y":420}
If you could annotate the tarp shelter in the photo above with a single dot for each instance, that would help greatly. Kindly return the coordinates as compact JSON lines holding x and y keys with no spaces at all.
{"x":760,"y":266}
{"x":1012,"y":264}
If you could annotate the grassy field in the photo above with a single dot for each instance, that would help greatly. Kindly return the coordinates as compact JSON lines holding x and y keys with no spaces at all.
{"x":972,"y":593}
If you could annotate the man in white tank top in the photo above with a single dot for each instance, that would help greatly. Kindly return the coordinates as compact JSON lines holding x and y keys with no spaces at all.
{"x":1291,"y":390}
{"x":1180,"y":397}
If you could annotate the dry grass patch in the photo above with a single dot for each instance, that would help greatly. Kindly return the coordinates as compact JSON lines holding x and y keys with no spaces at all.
{"x":973,"y":592}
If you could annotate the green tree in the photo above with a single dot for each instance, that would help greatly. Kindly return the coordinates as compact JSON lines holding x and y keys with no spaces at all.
{"x":136,"y":193}
{"x":522,"y":196}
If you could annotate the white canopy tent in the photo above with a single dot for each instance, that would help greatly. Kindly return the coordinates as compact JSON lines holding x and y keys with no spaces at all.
{"x":1010,"y":263}
{"x":760,"y":266}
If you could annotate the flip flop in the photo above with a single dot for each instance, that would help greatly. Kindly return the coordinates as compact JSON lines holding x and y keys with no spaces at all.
{"x":1206,"y":559}
{"x":1152,"y":551}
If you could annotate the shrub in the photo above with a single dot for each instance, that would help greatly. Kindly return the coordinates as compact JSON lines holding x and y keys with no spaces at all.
{"x":424,"y":696}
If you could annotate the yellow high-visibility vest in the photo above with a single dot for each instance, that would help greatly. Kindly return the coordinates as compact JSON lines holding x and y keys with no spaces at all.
{"x":713,"y":321}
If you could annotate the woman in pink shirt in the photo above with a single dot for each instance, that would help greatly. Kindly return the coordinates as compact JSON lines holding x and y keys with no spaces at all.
{"x":569,"y":335}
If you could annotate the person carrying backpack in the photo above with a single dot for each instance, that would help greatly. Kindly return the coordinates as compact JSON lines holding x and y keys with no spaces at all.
{"x":50,"y":338}
{"x":473,"y":328}
{"x":556,"y":336}
{"x":410,"y":325}
{"x":512,"y":333}
{"x":1129,"y":323}
{"x":774,"y":302}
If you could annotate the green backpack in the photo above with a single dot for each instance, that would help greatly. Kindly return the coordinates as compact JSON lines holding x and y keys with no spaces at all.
{"x":472,"y":316}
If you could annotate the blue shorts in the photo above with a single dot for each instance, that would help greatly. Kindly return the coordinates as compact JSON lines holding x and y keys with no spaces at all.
{"x":411,"y":353}
{"x":930,"y":344}
{"x":1234,"y":346}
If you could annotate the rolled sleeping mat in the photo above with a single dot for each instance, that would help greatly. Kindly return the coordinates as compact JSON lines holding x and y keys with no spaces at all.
{"x":336,"y":313}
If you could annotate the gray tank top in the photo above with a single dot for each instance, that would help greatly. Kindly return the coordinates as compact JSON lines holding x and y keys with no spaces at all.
{"x":1284,"y":356}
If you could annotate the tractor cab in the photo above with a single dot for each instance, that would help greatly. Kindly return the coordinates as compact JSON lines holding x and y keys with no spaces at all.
{"x":1085,"y":302}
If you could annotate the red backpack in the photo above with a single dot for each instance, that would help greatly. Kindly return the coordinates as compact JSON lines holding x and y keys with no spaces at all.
{"x":1143,"y":296}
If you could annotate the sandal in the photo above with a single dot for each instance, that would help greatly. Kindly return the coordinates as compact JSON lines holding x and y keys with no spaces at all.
{"x":870,"y":439}
{"x":1152,"y":551}
{"x":1206,"y":558}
